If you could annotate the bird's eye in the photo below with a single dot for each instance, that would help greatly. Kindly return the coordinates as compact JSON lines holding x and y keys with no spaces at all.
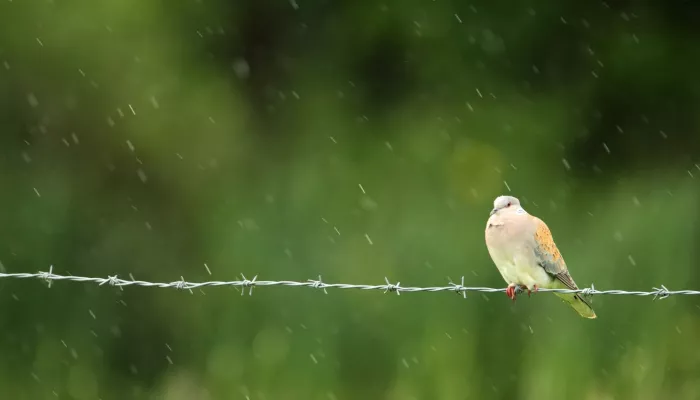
{"x":508,"y":205}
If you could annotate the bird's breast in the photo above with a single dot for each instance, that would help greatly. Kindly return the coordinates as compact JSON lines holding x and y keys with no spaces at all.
{"x":514,"y":258}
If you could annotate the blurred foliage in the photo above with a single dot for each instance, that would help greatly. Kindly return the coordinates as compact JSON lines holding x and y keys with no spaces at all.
{"x":150,"y":138}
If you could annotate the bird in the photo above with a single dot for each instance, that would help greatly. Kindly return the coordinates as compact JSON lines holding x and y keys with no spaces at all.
{"x":522,"y":247}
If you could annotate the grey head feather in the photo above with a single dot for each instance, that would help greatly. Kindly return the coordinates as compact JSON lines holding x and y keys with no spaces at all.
{"x":502,"y":202}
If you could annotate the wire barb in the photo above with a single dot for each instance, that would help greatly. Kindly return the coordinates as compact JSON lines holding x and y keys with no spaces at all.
{"x":47,"y":276}
{"x":112,"y":281}
{"x":318,"y":284}
{"x":459,"y":289}
{"x":391,"y":287}
{"x":588,"y":292}
{"x":661,"y":293}
{"x":246,"y":283}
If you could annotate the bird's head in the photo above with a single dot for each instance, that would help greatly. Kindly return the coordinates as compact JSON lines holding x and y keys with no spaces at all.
{"x":504,"y":202}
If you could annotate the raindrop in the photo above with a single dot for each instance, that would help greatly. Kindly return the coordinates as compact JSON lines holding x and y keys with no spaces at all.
{"x":566,"y":164}
{"x":33,"y":101}
{"x":241,"y":68}
{"x":367,"y":203}
{"x":142,"y":175}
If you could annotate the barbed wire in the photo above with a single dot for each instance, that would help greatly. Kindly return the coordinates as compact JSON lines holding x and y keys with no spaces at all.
{"x":49,"y":277}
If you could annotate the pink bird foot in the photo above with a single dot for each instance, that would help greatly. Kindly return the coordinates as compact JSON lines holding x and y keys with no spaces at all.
{"x":534,"y":290}
{"x":510,"y":291}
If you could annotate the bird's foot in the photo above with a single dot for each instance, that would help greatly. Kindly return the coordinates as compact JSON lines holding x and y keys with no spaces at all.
{"x":534,"y":289}
{"x":510,"y":291}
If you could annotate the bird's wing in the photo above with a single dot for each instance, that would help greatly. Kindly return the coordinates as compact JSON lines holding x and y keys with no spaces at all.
{"x":548,"y":256}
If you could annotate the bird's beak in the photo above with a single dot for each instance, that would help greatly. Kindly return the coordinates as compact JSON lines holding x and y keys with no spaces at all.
{"x":492,"y":212}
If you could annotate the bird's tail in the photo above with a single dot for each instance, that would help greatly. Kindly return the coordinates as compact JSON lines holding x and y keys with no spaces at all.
{"x":578,"y":303}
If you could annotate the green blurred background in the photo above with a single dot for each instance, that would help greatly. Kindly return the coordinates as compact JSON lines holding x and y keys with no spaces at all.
{"x":152,"y":137}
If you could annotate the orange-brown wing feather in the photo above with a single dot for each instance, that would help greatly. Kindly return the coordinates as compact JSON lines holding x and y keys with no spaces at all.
{"x":549,"y":256}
